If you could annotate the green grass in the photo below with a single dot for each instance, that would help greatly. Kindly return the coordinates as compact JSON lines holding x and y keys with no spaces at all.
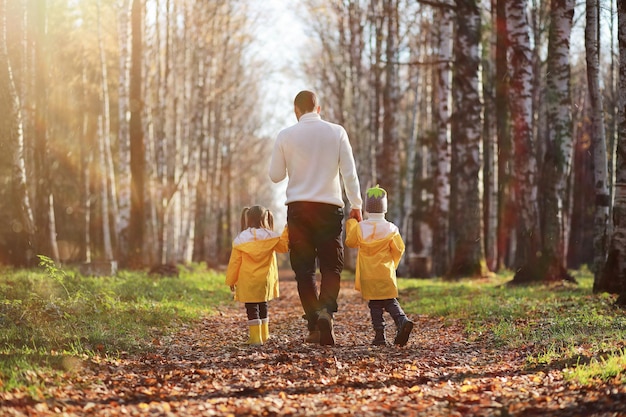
{"x":564,"y":326}
{"x":52,"y":318}
{"x":604,"y":368}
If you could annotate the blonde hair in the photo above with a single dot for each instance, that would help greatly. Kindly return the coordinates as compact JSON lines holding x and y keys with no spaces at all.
{"x":257,"y":217}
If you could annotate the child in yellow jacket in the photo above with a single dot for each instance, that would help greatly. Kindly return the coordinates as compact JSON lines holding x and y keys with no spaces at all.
{"x":252,"y":272}
{"x":380,"y":248}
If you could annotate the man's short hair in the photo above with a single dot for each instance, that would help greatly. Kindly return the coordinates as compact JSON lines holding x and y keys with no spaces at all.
{"x":306,"y":101}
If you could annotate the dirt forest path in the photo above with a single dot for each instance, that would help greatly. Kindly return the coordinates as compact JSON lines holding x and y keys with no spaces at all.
{"x":207,"y":370}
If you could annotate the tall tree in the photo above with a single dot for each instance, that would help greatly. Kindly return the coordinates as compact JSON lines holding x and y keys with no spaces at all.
{"x":20,"y":216}
{"x":108,"y":195}
{"x":123,"y":139}
{"x":490,"y":140}
{"x":388,"y":152}
{"x":441,"y":204}
{"x":601,"y":177}
{"x":614,"y":280}
{"x":503,"y":132}
{"x":559,"y":144}
{"x":206,"y":23}
{"x":44,"y":203}
{"x":524,"y":162}
{"x":468,"y":251}
{"x":137,"y":147}
{"x":376,"y":37}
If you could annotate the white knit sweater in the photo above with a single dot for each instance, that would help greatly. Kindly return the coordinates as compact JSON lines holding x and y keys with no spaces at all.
{"x":315,"y":155}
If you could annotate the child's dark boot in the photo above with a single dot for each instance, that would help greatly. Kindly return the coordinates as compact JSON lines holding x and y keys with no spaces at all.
{"x":379,"y":338}
{"x":404,"y":326}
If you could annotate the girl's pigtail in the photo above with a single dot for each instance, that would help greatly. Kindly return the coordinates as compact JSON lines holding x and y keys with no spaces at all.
{"x":244,"y":218}
{"x":270,"y":219}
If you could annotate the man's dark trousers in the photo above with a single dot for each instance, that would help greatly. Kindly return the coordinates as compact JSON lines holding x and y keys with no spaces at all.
{"x":315,"y":234}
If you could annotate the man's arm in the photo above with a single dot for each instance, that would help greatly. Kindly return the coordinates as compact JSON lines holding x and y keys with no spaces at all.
{"x":347,"y":168}
{"x":278,"y":167}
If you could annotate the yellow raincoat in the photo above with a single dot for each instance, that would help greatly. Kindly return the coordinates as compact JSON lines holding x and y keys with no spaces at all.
{"x":252,"y":267}
{"x":380,"y":249}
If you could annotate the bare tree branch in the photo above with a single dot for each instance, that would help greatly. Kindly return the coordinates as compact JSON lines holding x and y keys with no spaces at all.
{"x":439,"y":4}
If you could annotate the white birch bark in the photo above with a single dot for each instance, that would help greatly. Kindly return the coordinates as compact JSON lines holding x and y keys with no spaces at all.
{"x":201,"y":132}
{"x":86,"y":157}
{"x":490,"y":141}
{"x":525,"y":164}
{"x":11,"y":130}
{"x":468,"y":257}
{"x":187,"y":110}
{"x":137,"y":146}
{"x":45,"y":242}
{"x":123,"y":140}
{"x":104,"y":195}
{"x":601,"y":177}
{"x":441,"y":255}
{"x":407,"y":201}
{"x":108,"y":192}
{"x":171,"y":156}
{"x":559,"y":147}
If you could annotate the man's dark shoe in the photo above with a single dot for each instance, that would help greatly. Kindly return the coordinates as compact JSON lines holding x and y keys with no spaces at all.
{"x":379,"y":338}
{"x":313,"y":337}
{"x":325,"y":324}
{"x":404,"y":330}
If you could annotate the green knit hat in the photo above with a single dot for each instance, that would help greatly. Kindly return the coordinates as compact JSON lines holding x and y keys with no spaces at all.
{"x":376,"y":200}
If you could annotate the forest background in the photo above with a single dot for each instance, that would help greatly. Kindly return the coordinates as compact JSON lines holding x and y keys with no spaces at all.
{"x":134,"y":131}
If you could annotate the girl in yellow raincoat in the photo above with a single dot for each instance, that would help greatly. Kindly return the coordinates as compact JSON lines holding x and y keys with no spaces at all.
{"x":380,"y":248}
{"x":252,"y":272}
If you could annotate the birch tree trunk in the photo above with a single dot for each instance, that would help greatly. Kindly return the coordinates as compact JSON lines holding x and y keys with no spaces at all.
{"x":172,"y":147}
{"x":124,"y":177}
{"x":376,"y":83}
{"x":524,"y":164}
{"x":45,"y":242}
{"x":408,"y":211}
{"x":441,"y":208}
{"x":108,"y":194}
{"x":153,"y":129}
{"x":612,"y":105}
{"x":357,"y":91}
{"x":137,"y":147}
{"x":490,"y":145}
{"x":107,"y":247}
{"x":559,"y":146}
{"x":202,"y":114}
{"x":600,"y":171}
{"x":506,"y":231}
{"x":12,"y":137}
{"x":191,"y":102}
{"x":468,"y":258}
{"x":388,"y":154}
{"x":614,"y":279}
{"x":86,"y":157}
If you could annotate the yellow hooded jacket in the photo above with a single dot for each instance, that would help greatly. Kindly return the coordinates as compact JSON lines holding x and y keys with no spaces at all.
{"x":252,"y":267}
{"x":380,"y":249}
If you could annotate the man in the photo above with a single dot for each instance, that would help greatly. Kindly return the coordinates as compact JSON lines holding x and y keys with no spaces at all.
{"x":316,"y":156}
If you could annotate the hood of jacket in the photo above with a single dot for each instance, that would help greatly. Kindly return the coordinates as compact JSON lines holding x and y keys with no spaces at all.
{"x":374,"y":246}
{"x":258,"y":244}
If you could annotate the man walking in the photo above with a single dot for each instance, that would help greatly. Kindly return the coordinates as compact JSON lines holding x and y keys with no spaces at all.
{"x":316,"y":156}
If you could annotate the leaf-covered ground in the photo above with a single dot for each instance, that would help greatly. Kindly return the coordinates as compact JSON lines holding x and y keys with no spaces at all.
{"x":207,"y":370}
